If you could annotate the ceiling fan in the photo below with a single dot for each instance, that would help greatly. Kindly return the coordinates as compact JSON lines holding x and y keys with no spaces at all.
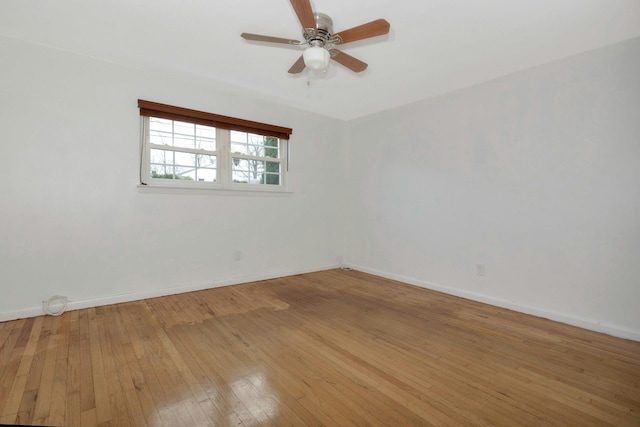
{"x":317,"y":30}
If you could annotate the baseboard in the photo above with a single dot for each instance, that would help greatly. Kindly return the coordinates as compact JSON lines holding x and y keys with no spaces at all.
{"x":592,"y":325}
{"x":154,"y":293}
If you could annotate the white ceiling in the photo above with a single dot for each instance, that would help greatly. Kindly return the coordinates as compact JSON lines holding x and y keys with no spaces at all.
{"x":435,"y":46}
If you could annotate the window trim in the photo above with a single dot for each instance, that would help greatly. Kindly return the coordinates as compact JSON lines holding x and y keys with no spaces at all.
{"x":163,"y":111}
{"x":224,"y":123}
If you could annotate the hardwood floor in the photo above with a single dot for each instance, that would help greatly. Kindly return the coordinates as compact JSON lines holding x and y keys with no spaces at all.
{"x":331,"y":348}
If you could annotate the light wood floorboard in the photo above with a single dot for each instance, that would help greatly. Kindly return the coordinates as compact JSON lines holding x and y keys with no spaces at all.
{"x":333,"y":348}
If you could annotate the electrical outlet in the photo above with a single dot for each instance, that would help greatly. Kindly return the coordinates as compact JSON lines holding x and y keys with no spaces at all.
{"x":237,"y":255}
{"x":480,"y":270}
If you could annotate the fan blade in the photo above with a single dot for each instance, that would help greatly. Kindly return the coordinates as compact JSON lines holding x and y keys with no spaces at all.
{"x":298,"y":66}
{"x":375,"y":28}
{"x":305,"y":13}
{"x":259,"y":38}
{"x":348,"y":61}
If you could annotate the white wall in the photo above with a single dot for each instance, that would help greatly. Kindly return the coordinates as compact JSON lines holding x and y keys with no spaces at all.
{"x":536,"y":175}
{"x":74,"y":223}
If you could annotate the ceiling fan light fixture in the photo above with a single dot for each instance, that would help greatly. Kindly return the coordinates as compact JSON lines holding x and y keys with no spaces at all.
{"x":317,"y":31}
{"x":316,"y":57}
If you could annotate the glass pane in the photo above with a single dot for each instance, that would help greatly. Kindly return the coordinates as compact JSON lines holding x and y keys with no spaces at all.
{"x":271,"y":152}
{"x":205,"y":131}
{"x":162,"y":125}
{"x":204,"y":161}
{"x":239,"y":148}
{"x":240,"y":177}
{"x":256,"y":144}
{"x":272,"y":175}
{"x":240,"y":164}
{"x":206,"y":144}
{"x":161,"y":156}
{"x":206,"y":175}
{"x":185,"y":173}
{"x":272,"y":147}
{"x":162,"y":171}
{"x":256,"y":166}
{"x":184,"y":141}
{"x":160,"y":138}
{"x":185,"y":159}
{"x":184,"y":128}
{"x":272,"y":179}
{"x":240,"y":137}
{"x":273,"y":167}
{"x":255,"y":150}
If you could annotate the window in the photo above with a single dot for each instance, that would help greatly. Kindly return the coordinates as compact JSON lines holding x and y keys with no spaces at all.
{"x":194,"y":149}
{"x":181,"y":150}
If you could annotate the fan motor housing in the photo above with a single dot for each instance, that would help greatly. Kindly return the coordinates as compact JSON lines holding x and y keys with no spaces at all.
{"x":324,"y":24}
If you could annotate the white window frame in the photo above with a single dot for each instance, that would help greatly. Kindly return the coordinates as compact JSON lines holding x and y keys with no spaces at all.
{"x":224,"y":159}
